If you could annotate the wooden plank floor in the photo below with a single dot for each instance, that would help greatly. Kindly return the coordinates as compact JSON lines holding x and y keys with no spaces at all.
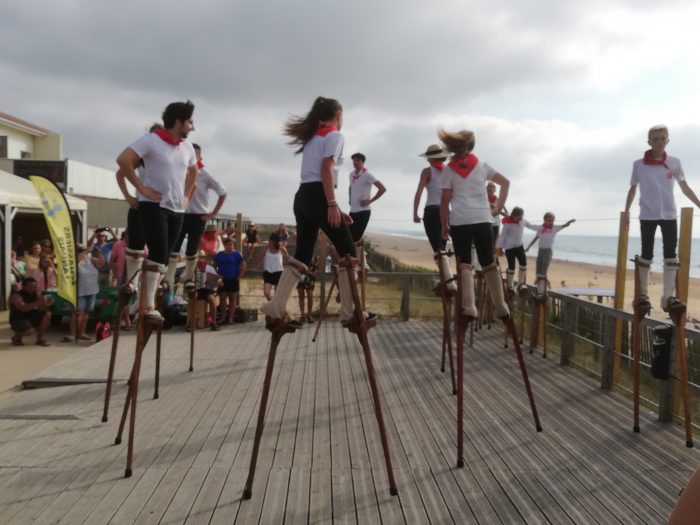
{"x":321,"y":457}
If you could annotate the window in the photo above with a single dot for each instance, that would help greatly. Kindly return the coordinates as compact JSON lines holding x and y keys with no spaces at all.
{"x":25,"y":155}
{"x":3,"y":147}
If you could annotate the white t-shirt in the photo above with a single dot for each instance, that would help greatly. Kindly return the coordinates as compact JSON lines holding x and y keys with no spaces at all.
{"x":469,"y":204}
{"x":199,"y":203}
{"x":434,"y":186}
{"x":656,"y":183}
{"x":165,"y":168}
{"x":360,"y":189}
{"x":512,"y":235}
{"x":317,"y":149}
{"x":546,"y":237}
{"x":273,"y":262}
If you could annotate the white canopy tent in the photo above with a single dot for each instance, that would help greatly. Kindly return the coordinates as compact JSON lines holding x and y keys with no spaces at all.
{"x":17,"y":195}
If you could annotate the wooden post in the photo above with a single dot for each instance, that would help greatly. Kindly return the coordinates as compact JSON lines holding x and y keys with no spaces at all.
{"x":239,"y":232}
{"x":322,"y":254}
{"x":404,"y":298}
{"x":667,"y":387}
{"x":684,"y":239}
{"x":610,"y":355}
{"x":568,"y":341}
{"x":619,"y":301}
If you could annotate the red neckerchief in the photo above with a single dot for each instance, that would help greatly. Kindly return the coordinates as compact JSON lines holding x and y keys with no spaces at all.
{"x":356,"y":174}
{"x":510,"y":220}
{"x":651,"y":161}
{"x":438,"y":164}
{"x":168,"y":137}
{"x":324,"y":129}
{"x":200,"y":164}
{"x":545,"y":228}
{"x":464,"y":165}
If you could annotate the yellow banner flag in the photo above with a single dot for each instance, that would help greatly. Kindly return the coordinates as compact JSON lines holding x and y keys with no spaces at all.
{"x":57,"y":215}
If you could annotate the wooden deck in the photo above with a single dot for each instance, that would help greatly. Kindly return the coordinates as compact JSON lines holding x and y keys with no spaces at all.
{"x":321,"y":458}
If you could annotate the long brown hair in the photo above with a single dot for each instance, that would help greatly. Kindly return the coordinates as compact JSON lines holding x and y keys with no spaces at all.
{"x":459,"y":143}
{"x":302,"y":129}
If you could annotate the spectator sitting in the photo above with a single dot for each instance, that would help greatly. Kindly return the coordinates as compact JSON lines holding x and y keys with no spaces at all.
{"x":282,"y":233}
{"x":207,"y":283}
{"x":251,"y":239}
{"x":29,"y":311}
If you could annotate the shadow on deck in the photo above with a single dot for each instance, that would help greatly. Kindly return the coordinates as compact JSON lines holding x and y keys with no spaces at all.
{"x":320,"y":458}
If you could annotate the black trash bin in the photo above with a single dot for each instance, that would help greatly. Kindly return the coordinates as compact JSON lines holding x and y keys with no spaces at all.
{"x":661,"y":351}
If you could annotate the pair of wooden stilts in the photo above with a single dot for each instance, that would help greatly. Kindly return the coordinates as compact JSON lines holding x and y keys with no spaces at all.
{"x":359,"y":326}
{"x":462,"y":323}
{"x":678,"y":317}
{"x":145,"y":327}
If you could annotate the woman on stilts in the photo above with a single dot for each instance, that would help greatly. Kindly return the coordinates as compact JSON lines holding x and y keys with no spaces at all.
{"x":466,"y":216}
{"x":545,"y":236}
{"x":431,"y":179}
{"x":317,"y":137}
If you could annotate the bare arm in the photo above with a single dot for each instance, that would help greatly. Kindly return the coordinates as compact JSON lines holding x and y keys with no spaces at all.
{"x":445,"y":199}
{"x":329,"y":192}
{"x":17,"y":301}
{"x":381,"y":190}
{"x":190,"y":184}
{"x":688,"y":192}
{"x":422,"y":183}
{"x":630,"y":198}
{"x":504,"y":184}
{"x":242,"y":269}
{"x":215,"y":211}
{"x":537,"y":238}
{"x":127,"y":161}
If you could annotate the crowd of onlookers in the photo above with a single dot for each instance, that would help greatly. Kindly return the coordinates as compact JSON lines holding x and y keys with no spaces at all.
{"x":101,"y":264}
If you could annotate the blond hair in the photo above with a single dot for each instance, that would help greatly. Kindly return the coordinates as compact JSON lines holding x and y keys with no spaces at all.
{"x":658,"y":127}
{"x":458,"y":143}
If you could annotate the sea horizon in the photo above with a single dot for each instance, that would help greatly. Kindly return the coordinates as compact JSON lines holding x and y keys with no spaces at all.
{"x":591,"y":249}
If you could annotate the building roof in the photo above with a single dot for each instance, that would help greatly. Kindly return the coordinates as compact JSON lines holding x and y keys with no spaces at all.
{"x":19,"y":192}
{"x":22,"y":125}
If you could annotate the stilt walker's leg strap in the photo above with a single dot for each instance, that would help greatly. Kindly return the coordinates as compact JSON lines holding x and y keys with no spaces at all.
{"x":495,"y":286}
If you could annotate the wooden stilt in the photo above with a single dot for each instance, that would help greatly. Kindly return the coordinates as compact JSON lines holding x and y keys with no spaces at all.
{"x":462,"y":322}
{"x":322,"y":315}
{"x":125,"y":294}
{"x":445,"y":295}
{"x":641,"y":308}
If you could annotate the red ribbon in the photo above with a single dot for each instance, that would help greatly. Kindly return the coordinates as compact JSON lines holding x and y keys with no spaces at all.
{"x":545,"y":228}
{"x":324,"y":129}
{"x":200,"y":164}
{"x":464,"y":165}
{"x":437,"y":164}
{"x":356,"y":174}
{"x":651,"y":161}
{"x":168,"y":137}
{"x":510,"y":220}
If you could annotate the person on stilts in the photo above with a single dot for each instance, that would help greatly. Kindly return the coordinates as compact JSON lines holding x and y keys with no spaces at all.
{"x":511,"y":241}
{"x":431,"y":180}
{"x":163,"y":194}
{"x":545,"y":237}
{"x":195,"y":220}
{"x":655,"y":174}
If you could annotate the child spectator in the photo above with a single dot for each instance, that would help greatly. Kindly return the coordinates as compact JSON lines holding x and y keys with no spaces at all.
{"x":207,"y":281}
{"x":305,"y":289}
{"x":232,"y":267}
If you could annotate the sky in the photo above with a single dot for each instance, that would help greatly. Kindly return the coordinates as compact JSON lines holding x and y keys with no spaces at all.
{"x":560,"y":94}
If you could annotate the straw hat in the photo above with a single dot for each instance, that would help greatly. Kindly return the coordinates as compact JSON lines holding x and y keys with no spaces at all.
{"x":434,"y":151}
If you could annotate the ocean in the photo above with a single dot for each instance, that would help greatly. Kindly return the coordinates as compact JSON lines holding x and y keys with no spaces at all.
{"x":593,"y":249}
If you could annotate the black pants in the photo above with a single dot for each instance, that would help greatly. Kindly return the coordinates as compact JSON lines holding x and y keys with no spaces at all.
{"x":516,"y":253}
{"x":494,"y":231}
{"x":433,"y":227}
{"x":360,"y":219}
{"x":669,"y":237}
{"x":192,"y":227}
{"x":137,"y":237}
{"x":162,"y":228}
{"x":311,"y":212}
{"x":480,"y":234}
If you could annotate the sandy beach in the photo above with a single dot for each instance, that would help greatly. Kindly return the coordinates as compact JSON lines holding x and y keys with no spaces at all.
{"x":417,"y":252}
